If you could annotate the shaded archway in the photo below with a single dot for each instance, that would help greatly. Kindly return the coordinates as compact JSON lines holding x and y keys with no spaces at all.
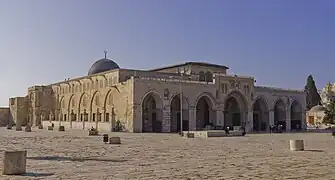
{"x":296,"y":115}
{"x":260,"y":115}
{"x":175,"y":115}
{"x":72,"y":104}
{"x":205,"y":114}
{"x":152,"y":113}
{"x":280,"y":114}
{"x":83,"y":107}
{"x":235,"y":113}
{"x":95,"y":107}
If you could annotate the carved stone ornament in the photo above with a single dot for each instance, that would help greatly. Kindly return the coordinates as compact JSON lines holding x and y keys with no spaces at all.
{"x":166,"y":93}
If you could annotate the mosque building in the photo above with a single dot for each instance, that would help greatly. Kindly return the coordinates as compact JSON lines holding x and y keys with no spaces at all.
{"x":191,"y":95}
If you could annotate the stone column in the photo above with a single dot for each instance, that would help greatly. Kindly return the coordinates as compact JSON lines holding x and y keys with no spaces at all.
{"x":85,"y":118}
{"x":98,"y":118}
{"x":192,"y":118}
{"x":250,"y":121}
{"x":271,"y":117}
{"x":112,"y":119}
{"x":219,"y":118}
{"x":288,"y":119}
{"x":90,"y":114}
{"x":166,"y":121}
{"x":103,"y":115}
{"x":71,"y":118}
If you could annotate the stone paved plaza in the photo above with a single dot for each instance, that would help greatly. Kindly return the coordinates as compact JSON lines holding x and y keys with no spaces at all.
{"x":74,"y":155}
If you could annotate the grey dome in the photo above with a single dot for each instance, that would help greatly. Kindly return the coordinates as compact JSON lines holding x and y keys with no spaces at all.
{"x":102,"y":65}
{"x":318,"y":108}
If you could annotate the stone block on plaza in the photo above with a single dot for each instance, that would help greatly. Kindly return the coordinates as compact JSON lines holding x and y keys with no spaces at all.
{"x":61,"y":128}
{"x":40,"y":126}
{"x":297,"y":145}
{"x":18,"y":128}
{"x":115,"y":140}
{"x":27,"y":128}
{"x":93,"y":132}
{"x":189,"y":135}
{"x":50,"y":128}
{"x":14,"y":162}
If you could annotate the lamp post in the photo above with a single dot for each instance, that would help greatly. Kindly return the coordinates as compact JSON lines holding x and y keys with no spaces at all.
{"x":181,"y":104}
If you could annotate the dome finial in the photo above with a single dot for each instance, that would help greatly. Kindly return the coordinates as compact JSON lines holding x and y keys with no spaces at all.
{"x":105,"y":54}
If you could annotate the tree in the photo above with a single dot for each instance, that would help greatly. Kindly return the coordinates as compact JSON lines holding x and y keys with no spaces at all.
{"x":312,"y":96}
{"x":329,"y":117}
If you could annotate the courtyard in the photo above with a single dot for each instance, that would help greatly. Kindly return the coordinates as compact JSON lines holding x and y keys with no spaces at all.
{"x":75,"y":155}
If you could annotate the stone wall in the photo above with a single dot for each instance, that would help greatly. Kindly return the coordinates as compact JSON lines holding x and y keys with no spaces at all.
{"x":4,"y":116}
{"x":102,"y":126}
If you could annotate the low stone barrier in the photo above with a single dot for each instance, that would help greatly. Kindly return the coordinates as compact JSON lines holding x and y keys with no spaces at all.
{"x":115,"y":140}
{"x":61,"y":128}
{"x":40,"y":126}
{"x":189,"y":135}
{"x":27,"y":128}
{"x":297,"y":145}
{"x":14,"y":162}
{"x":50,"y":128}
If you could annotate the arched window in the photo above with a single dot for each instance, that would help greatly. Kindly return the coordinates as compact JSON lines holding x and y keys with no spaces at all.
{"x":209,"y":77}
{"x":201,"y":76}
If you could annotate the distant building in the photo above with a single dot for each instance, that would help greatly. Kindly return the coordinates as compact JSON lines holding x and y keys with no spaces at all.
{"x":315,"y":115}
{"x":149,"y":100}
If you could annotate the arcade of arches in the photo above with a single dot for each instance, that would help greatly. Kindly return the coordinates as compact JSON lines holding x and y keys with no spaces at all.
{"x":235,"y":113}
{"x":281,"y":116}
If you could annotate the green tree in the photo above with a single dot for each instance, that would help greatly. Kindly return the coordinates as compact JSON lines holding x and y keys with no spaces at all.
{"x":312,"y":96}
{"x":329,"y":117}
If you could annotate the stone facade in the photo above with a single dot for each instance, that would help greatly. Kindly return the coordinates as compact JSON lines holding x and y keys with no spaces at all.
{"x":5,"y":116}
{"x":149,"y":101}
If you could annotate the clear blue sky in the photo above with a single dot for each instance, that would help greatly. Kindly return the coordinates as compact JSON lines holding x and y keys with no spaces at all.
{"x":279,"y":42}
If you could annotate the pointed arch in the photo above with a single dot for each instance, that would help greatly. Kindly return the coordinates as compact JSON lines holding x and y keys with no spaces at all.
{"x":69,"y":104}
{"x":260,"y":110}
{"x":175,"y":113}
{"x":279,"y":109}
{"x":152,"y":112}
{"x":236,"y":108}
{"x":296,"y":111}
{"x":60,"y":102}
{"x":95,"y":95}
{"x":82,"y":105}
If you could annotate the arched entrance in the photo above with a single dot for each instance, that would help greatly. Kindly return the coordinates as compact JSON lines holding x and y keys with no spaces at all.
{"x":235,"y":110}
{"x":296,"y":115}
{"x":260,"y":115}
{"x":280,"y":114}
{"x":175,"y":115}
{"x":204,"y":112}
{"x":152,"y":113}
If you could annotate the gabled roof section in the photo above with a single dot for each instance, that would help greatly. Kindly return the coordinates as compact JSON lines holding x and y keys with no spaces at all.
{"x":192,"y":63}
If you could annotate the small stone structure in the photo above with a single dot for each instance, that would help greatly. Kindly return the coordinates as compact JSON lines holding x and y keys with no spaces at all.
{"x":14,"y":162}
{"x":40,"y":126}
{"x":188,"y":135}
{"x":115,"y":140}
{"x":61,"y":128}
{"x":18,"y":127}
{"x":297,"y":145}
{"x":214,"y":133}
{"x":93,"y":132}
{"x":50,"y":128}
{"x":28,"y":128}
